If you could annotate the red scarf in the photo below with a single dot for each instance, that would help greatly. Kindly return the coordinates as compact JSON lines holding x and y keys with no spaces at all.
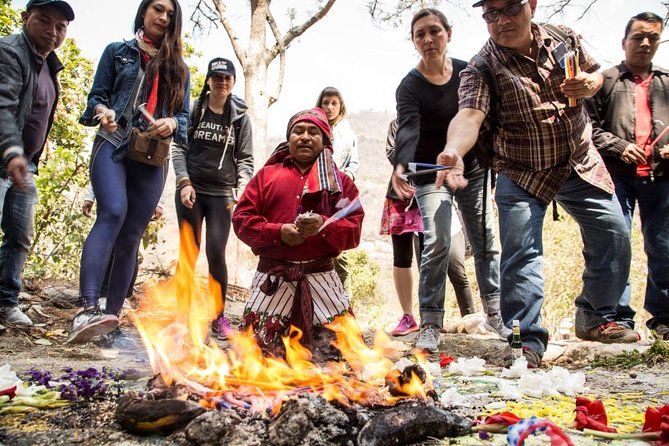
{"x":152,"y":100}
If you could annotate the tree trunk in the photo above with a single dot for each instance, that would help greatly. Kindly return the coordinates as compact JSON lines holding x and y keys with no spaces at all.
{"x":257,"y":99}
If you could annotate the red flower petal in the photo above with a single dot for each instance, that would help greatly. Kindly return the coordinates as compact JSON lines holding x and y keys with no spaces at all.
{"x":506,"y":418}
{"x":654,"y":418}
{"x":11,"y":392}
{"x":445,"y":360}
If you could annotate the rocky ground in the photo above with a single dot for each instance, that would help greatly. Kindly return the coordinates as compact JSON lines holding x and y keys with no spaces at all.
{"x":626,"y":391}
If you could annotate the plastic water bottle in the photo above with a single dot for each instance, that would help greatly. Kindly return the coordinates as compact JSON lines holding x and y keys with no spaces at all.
{"x":516,"y":345}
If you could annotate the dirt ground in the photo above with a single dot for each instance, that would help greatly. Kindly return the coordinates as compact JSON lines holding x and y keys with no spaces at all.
{"x":625,"y":390}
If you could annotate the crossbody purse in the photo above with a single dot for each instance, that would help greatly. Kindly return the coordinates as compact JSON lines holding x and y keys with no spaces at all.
{"x":144,"y":148}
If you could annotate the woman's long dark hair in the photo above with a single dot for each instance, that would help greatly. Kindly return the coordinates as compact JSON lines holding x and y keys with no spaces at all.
{"x":169,"y":62}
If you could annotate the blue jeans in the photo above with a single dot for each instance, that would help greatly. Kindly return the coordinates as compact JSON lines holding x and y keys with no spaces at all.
{"x":486,"y":258}
{"x":127,"y":193}
{"x":17,"y":213}
{"x":436,"y":207}
{"x":607,"y":254}
{"x":653,"y":199}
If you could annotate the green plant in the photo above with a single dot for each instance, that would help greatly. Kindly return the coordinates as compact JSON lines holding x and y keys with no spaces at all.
{"x":364,"y":274}
{"x":658,"y":353}
{"x":10,"y":20}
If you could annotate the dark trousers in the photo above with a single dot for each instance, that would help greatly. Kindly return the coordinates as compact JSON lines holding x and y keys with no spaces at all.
{"x":127,"y":193}
{"x":217,"y":212}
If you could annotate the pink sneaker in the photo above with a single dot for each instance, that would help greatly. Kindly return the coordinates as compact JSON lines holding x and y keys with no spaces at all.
{"x":406,"y":325}
{"x":221,"y":327}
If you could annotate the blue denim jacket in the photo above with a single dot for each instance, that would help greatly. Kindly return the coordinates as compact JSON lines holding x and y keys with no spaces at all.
{"x":114,"y":84}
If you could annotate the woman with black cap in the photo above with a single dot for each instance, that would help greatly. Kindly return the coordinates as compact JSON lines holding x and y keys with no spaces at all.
{"x":211,"y":171}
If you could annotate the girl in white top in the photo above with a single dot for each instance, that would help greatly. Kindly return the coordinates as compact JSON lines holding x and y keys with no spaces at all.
{"x":345,"y":155}
{"x":344,"y":140}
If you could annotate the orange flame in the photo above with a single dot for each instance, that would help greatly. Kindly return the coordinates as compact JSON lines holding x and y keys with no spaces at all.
{"x":174,"y":318}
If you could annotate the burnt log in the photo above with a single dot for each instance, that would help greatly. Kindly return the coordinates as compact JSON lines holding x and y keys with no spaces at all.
{"x":210,"y":427}
{"x":309,"y":420}
{"x":412,"y":424}
{"x":149,"y":416}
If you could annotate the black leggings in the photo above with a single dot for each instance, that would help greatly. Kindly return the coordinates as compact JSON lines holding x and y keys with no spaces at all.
{"x":403,"y":256}
{"x":404,"y":246}
{"x":216,"y":210}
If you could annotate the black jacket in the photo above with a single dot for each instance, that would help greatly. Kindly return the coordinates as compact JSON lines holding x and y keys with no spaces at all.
{"x":19,"y":71}
{"x":612,"y":114}
{"x":242,"y":154}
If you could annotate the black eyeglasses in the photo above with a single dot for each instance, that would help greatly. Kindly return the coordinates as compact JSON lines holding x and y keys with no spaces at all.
{"x":510,"y":10}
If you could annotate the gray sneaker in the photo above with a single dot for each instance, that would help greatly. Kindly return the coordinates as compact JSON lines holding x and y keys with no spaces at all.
{"x":89,"y":323}
{"x":495,"y":324}
{"x":13,"y":315}
{"x":428,"y":338}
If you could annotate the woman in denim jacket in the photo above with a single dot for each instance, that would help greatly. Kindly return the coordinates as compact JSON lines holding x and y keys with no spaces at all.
{"x":147,"y":69}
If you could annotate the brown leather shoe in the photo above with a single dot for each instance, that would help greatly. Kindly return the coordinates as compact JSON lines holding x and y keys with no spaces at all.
{"x":609,"y":333}
{"x":533,"y":358}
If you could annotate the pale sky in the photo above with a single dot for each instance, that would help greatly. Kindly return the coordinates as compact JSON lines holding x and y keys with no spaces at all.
{"x":346,"y":50}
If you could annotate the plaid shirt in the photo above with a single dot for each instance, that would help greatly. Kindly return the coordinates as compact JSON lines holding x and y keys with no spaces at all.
{"x":540,"y":139}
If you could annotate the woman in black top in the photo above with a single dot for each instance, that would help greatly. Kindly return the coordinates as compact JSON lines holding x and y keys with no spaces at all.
{"x":427,"y":100}
{"x":211,"y":170}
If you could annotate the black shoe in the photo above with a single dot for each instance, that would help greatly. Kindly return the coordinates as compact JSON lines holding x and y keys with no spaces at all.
{"x":89,"y":323}
{"x":662,"y":331}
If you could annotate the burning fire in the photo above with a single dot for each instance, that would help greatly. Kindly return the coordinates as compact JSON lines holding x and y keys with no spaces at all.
{"x":174,"y":319}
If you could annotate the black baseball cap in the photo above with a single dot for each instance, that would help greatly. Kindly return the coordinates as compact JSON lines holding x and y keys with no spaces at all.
{"x":221,"y":65}
{"x":479,"y":3}
{"x":61,"y":5}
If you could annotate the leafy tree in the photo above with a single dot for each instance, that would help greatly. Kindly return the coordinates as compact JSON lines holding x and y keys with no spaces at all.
{"x":196,"y":77}
{"x":10,"y":19}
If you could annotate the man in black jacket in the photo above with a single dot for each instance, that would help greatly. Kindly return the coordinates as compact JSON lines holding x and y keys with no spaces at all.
{"x":629,"y":114}
{"x":28,"y":97}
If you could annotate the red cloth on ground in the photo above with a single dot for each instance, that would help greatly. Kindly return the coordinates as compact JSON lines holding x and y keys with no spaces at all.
{"x":657,"y":420}
{"x":591,"y":415}
{"x":506,"y":418}
{"x":275,"y":197}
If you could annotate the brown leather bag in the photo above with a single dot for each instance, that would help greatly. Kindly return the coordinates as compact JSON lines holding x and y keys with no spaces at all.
{"x":147,"y":150}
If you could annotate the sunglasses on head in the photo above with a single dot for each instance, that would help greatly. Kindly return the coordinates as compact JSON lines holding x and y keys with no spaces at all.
{"x":510,"y":10}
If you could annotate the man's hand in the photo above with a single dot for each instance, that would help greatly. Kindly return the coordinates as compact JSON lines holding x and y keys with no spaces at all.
{"x":163,"y":128}
{"x":583,"y":85}
{"x":291,"y":236}
{"x":403,"y":189}
{"x":17,"y":169}
{"x":187,"y":195}
{"x":106,"y":117}
{"x":87,"y":208}
{"x":664,"y":152}
{"x":310,"y":227}
{"x":454,"y":177}
{"x":157,"y":213}
{"x":633,"y":154}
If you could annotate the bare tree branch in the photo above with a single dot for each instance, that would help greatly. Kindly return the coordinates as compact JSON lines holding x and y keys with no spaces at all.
{"x":559,"y":6}
{"x":232,"y":35}
{"x":203,"y":9}
{"x":282,"y":56}
{"x":297,"y":31}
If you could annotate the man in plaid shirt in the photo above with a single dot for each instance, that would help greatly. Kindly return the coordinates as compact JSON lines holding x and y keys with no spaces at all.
{"x":543,"y":151}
